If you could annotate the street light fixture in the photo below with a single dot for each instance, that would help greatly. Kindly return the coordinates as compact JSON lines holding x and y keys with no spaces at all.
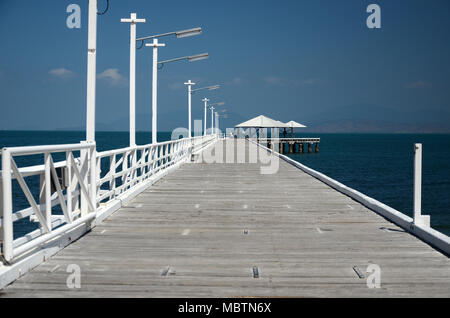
{"x":155,"y":46}
{"x":212,"y":119}
{"x":132,"y":21}
{"x":190,"y":92}
{"x":212,"y":105}
{"x":217,"y":115}
{"x":191,"y":58}
{"x":179,"y":34}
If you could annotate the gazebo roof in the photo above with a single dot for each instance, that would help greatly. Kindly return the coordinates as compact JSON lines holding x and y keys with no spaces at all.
{"x":294,"y":124}
{"x":262,"y":122}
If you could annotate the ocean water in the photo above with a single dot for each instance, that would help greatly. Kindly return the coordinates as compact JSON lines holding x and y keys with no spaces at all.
{"x":381,"y":166}
{"x":378,"y":165}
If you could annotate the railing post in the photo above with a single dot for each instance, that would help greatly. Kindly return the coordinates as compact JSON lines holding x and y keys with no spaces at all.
{"x":69,"y":185}
{"x":112,"y":171}
{"x":93,"y":178}
{"x":1,"y":213}
{"x":48,"y":191}
{"x":419,"y":219}
{"x":84,"y":167}
{"x":7,"y":248}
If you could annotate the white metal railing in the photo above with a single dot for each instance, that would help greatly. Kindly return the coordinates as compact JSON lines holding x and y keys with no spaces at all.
{"x":77,"y":202}
{"x":131,"y":166}
{"x":77,"y":185}
{"x":279,"y":139}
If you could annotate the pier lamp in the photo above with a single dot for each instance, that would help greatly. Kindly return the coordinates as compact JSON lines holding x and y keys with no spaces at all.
{"x":179,"y":34}
{"x":133,"y":20}
{"x":215,"y":105}
{"x":212,"y":119}
{"x":211,"y":107}
{"x":218,"y":114}
{"x":190,"y":92}
{"x":190,"y":58}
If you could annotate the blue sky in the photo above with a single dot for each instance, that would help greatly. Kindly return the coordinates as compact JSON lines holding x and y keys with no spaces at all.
{"x":314,"y":61}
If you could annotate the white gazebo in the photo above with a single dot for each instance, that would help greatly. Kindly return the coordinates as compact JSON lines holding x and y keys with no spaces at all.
{"x":262,"y":121}
{"x":293,"y":124}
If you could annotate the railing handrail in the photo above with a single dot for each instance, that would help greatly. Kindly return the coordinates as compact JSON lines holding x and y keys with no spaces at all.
{"x":281,"y":138}
{"x":79,"y":188}
{"x":140,"y":147}
{"x":32,"y":150}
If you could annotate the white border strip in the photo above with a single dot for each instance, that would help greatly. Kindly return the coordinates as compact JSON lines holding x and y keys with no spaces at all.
{"x":434,"y":238}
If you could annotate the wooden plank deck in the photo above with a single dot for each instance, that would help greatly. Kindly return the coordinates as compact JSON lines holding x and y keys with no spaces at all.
{"x":304,"y":237}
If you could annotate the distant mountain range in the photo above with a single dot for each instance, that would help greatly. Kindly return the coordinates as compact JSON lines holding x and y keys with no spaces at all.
{"x":373,"y":126}
{"x":363,"y":118}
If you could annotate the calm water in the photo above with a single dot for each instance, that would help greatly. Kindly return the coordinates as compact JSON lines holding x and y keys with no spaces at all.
{"x":379,"y":165}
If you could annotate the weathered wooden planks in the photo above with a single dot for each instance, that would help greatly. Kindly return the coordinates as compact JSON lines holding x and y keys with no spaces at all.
{"x":304,"y":237}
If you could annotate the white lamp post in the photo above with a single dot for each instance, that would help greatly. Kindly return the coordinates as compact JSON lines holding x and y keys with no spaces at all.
{"x":205,"y":100}
{"x":211,"y":107}
{"x":212,"y":119}
{"x":189,"y":84}
{"x":155,"y":46}
{"x":190,"y":92}
{"x":216,"y":122}
{"x":217,"y":115}
{"x":91,"y":69}
{"x":190,"y":58}
{"x":132,"y":20}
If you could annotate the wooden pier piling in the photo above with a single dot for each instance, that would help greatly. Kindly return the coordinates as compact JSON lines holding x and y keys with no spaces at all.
{"x":291,"y":147}
{"x":291,"y":144}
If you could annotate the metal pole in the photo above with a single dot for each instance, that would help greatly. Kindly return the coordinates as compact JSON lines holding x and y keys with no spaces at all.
{"x":91,"y":71}
{"x":189,"y":111}
{"x":417,"y":180}
{"x":155,"y":46}
{"x":154,"y":93}
{"x":217,"y":122}
{"x":93,"y":178}
{"x":189,"y":84}
{"x":204,"y":122}
{"x":419,"y":219}
{"x":212,"y":120}
{"x":7,"y":225}
{"x":133,"y":20}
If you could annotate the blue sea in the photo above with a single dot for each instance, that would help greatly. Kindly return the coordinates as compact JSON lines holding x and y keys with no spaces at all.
{"x":378,"y":165}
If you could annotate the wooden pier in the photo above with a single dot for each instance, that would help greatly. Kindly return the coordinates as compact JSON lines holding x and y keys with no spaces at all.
{"x":291,"y":145}
{"x":203,"y":229}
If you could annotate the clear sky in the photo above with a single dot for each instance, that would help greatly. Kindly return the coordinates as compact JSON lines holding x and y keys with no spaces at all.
{"x":313,"y":61}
